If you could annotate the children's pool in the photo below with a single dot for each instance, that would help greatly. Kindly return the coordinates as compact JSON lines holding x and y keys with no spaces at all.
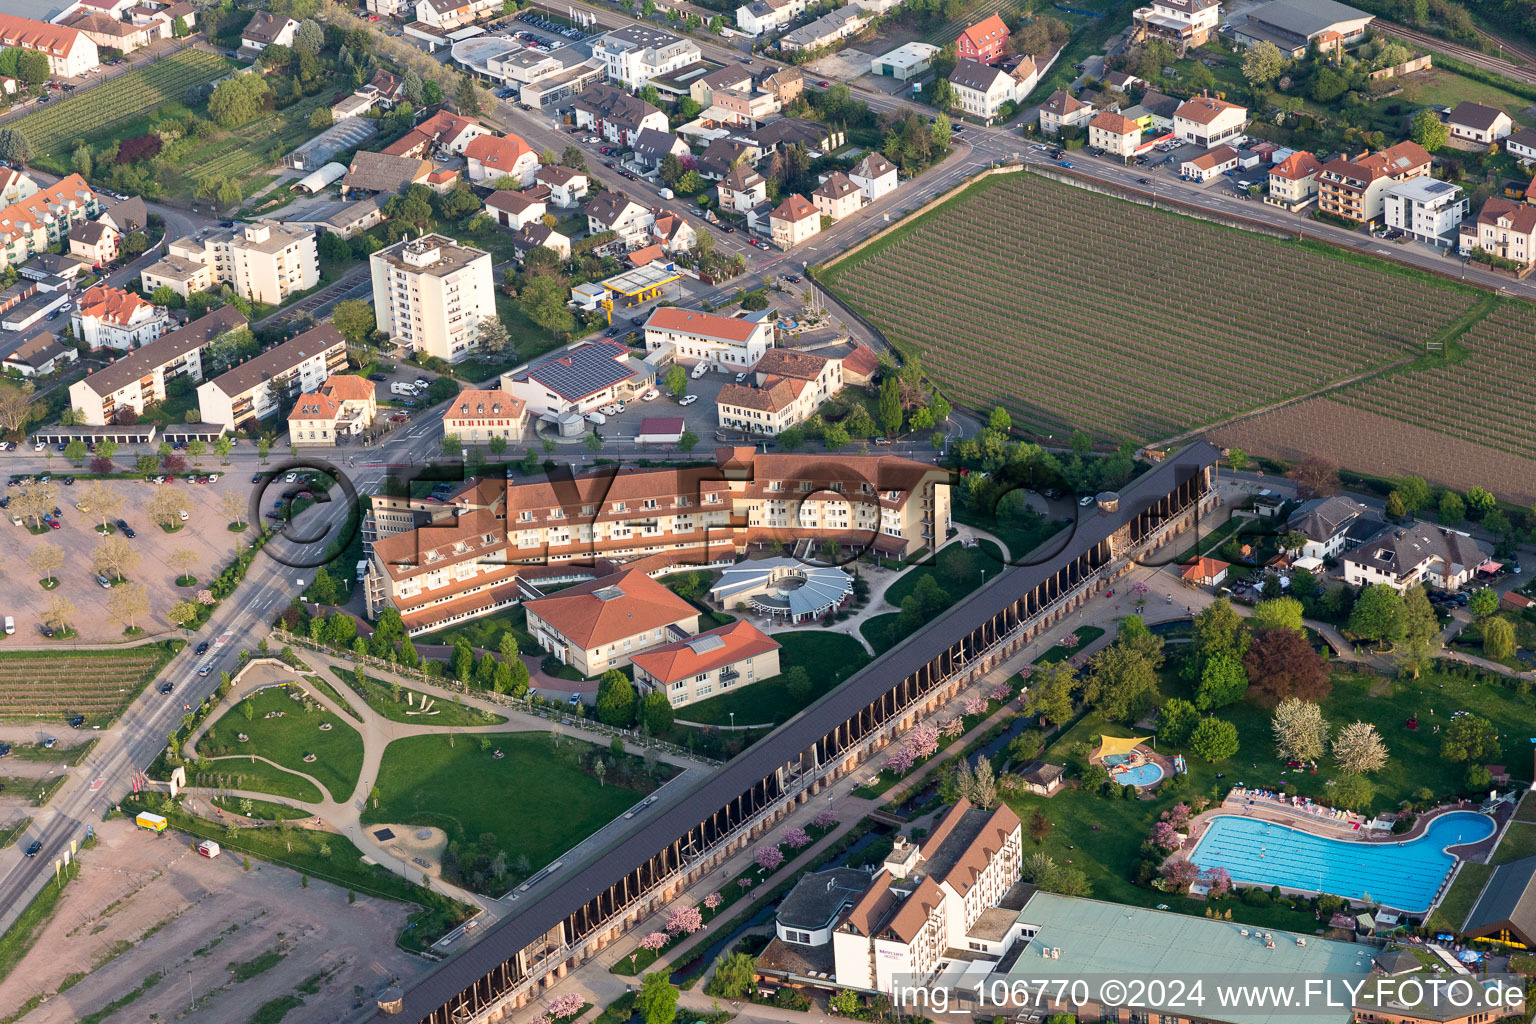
{"x":1402,"y":875}
{"x":1141,"y":775}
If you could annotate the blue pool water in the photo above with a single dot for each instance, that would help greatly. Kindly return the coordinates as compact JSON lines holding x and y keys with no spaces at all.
{"x":1141,"y":775}
{"x":1404,"y":876}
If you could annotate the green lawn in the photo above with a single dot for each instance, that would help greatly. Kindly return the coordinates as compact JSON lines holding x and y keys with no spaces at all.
{"x":258,"y":777}
{"x":959,"y":570}
{"x":334,"y":694}
{"x":876,"y":630}
{"x":1519,"y":841}
{"x":263,"y":809}
{"x":828,"y":657}
{"x":1527,"y":809}
{"x":536,"y":800}
{"x":283,"y":730}
{"x":443,"y":712}
{"x":1021,"y":533}
{"x":1453,"y":910}
{"x":1122,"y":824}
{"x":1445,"y":88}
{"x":485,"y":632}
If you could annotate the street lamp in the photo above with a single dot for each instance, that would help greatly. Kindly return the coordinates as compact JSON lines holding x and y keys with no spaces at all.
{"x":733,"y":720}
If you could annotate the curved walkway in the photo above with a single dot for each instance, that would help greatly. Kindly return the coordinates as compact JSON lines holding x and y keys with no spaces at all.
{"x":378,"y":732}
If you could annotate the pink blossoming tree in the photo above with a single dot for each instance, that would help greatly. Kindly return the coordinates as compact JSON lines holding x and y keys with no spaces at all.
{"x":768,"y":857}
{"x":796,"y":838}
{"x":824,"y":819}
{"x":976,"y":706}
{"x":1219,"y":881}
{"x":1164,"y":836}
{"x":712,"y":901}
{"x":923,"y":740}
{"x":685,"y":921}
{"x":655,"y":942}
{"x":1179,"y":875}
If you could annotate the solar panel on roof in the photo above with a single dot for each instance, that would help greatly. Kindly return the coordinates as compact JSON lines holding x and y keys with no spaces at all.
{"x":579,"y":373}
{"x":705,"y":644}
{"x":1435,"y":188}
{"x":608,"y":594}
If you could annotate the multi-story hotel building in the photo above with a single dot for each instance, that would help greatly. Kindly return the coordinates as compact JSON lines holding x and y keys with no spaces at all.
{"x":138,"y":379}
{"x":431,"y":294}
{"x":270,"y":382}
{"x":445,"y":561}
{"x":265,"y":262}
{"x":1356,"y":189}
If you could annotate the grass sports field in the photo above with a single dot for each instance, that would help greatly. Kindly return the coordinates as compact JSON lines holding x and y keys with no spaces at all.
{"x":50,"y":686}
{"x":53,"y":130}
{"x":1124,"y":321}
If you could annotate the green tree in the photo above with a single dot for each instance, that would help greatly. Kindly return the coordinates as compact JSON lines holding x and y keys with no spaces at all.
{"x":75,"y":451}
{"x":1218,"y":630}
{"x":1395,"y":507}
{"x":890,"y":406}
{"x":14,"y":146}
{"x":1353,"y":792}
{"x":1428,"y":130}
{"x":1377,"y":615}
{"x":1213,"y":740}
{"x":1480,"y":503}
{"x":1122,"y":680}
{"x":656,"y":1001}
{"x":467,"y":98}
{"x":1176,"y":721}
{"x":1277,"y":613}
{"x":1223,"y":681}
{"x":1237,"y":459}
{"x":179,"y":27}
{"x":238,"y":100}
{"x":1263,"y":63}
{"x":941,"y":130}
{"x":615,"y":699}
{"x":355,"y":319}
{"x":676,"y":381}
{"x":1469,"y":738}
{"x":1414,"y":491}
{"x":1498,"y":639}
{"x":834,"y":437}
{"x":80,"y":160}
{"x":798,"y":682}
{"x":656,"y":713}
{"x":1452,"y":509}
{"x":32,"y":67}
{"x":791,"y":439}
{"x":309,"y":37}
{"x":735,"y":977}
{"x":1420,"y":632}
{"x":1483,"y":603}
{"x":1050,"y":692}
{"x":542,"y":300}
{"x":999,"y":420}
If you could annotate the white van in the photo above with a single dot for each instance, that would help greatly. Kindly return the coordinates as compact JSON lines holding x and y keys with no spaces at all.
{"x":401,"y":387}
{"x":700,"y":370}
{"x":596,"y":417}
{"x":10,"y":625}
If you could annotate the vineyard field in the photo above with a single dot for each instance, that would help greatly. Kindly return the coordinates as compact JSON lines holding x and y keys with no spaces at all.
{"x":95,"y":112}
{"x":1073,"y":310}
{"x":49,"y":686}
{"x":1466,"y":424}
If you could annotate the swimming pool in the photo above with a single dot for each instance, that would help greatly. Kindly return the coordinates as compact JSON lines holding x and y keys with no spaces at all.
{"x":1141,"y":775}
{"x":1401,"y":875}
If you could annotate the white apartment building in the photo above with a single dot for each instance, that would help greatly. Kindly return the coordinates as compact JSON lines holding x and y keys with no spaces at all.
{"x":1181,"y":23}
{"x":138,"y":379}
{"x":1114,"y":133}
{"x":70,"y":52}
{"x":929,"y":899}
{"x":44,"y":218}
{"x":761,"y":16}
{"x":636,"y":54}
{"x":1427,"y":210}
{"x":432,"y":293}
{"x":108,"y":317}
{"x":448,"y":15}
{"x":697,"y":337}
{"x":270,"y":382}
{"x":1207,"y":121}
{"x":981,"y":89}
{"x":477,"y":416}
{"x":264,"y":262}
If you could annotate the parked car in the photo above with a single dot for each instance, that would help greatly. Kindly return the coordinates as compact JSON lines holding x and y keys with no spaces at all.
{"x":687,"y":399}
{"x":201,"y":648}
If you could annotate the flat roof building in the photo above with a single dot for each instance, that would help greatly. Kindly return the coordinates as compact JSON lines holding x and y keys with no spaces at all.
{"x":138,"y":379}
{"x":270,"y":382}
{"x":431,"y":294}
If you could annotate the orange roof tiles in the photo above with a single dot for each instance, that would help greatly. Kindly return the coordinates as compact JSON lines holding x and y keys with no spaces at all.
{"x":1115,"y":124}
{"x":497,"y":151}
{"x":1205,"y":568}
{"x":610,"y":609}
{"x":315,"y":406}
{"x":692,"y":321}
{"x":788,"y":362}
{"x":985,"y":32}
{"x":679,"y":660}
{"x":1298,"y":165}
{"x":111,"y":304}
{"x":476,"y":404}
{"x":348,"y":387}
{"x":794,"y":208}
{"x":29,"y":34}
{"x":861,"y":362}
{"x":27,"y":215}
{"x":1203,"y":109}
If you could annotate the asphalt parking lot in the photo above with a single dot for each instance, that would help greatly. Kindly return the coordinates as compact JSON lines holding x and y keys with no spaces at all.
{"x":698,"y":417}
{"x":205,"y":534}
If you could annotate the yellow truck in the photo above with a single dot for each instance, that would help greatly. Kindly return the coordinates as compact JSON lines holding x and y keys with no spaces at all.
{"x":153,"y":822}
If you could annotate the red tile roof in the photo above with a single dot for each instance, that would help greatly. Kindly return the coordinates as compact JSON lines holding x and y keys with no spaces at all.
{"x":1203,"y":109}
{"x":1298,"y":165}
{"x":475,"y":404}
{"x":861,"y":362}
{"x":691,"y":321}
{"x":787,"y":362}
{"x":348,"y":387}
{"x":36,"y":35}
{"x":985,"y":32}
{"x":111,"y":304}
{"x":1205,"y":568}
{"x":609,"y":609}
{"x":497,"y":151}
{"x":679,"y":660}
{"x":26,"y":215}
{"x":315,"y":406}
{"x":794,"y":208}
{"x":1116,"y":124}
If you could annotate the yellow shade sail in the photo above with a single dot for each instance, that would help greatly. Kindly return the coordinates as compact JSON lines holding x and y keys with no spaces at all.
{"x":1121,"y":745}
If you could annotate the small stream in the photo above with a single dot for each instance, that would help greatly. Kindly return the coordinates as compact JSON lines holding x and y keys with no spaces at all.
{"x":699,"y":962}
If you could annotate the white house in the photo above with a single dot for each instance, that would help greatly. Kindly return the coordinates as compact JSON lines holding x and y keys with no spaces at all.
{"x":616,"y":115}
{"x":1504,"y":228}
{"x":109,"y":317}
{"x":514,"y":210}
{"x":266,"y":29}
{"x":1473,"y":122}
{"x":448,"y":15}
{"x":1521,"y":145}
{"x":875,"y":175}
{"x":1293,"y":181}
{"x":1061,"y":110}
{"x":1405,"y":556}
{"x":1327,"y":524}
{"x":566,"y":187}
{"x":1209,"y":164}
{"x":1427,"y":210}
{"x":762,"y":16}
{"x":697,"y":337}
{"x":497,"y":156}
{"x":742,"y":188}
{"x":1207,"y":121}
{"x":981,"y":89}
{"x":616,"y":212}
{"x":1114,"y":133}
{"x":1180,"y":23}
{"x":635,"y":54}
